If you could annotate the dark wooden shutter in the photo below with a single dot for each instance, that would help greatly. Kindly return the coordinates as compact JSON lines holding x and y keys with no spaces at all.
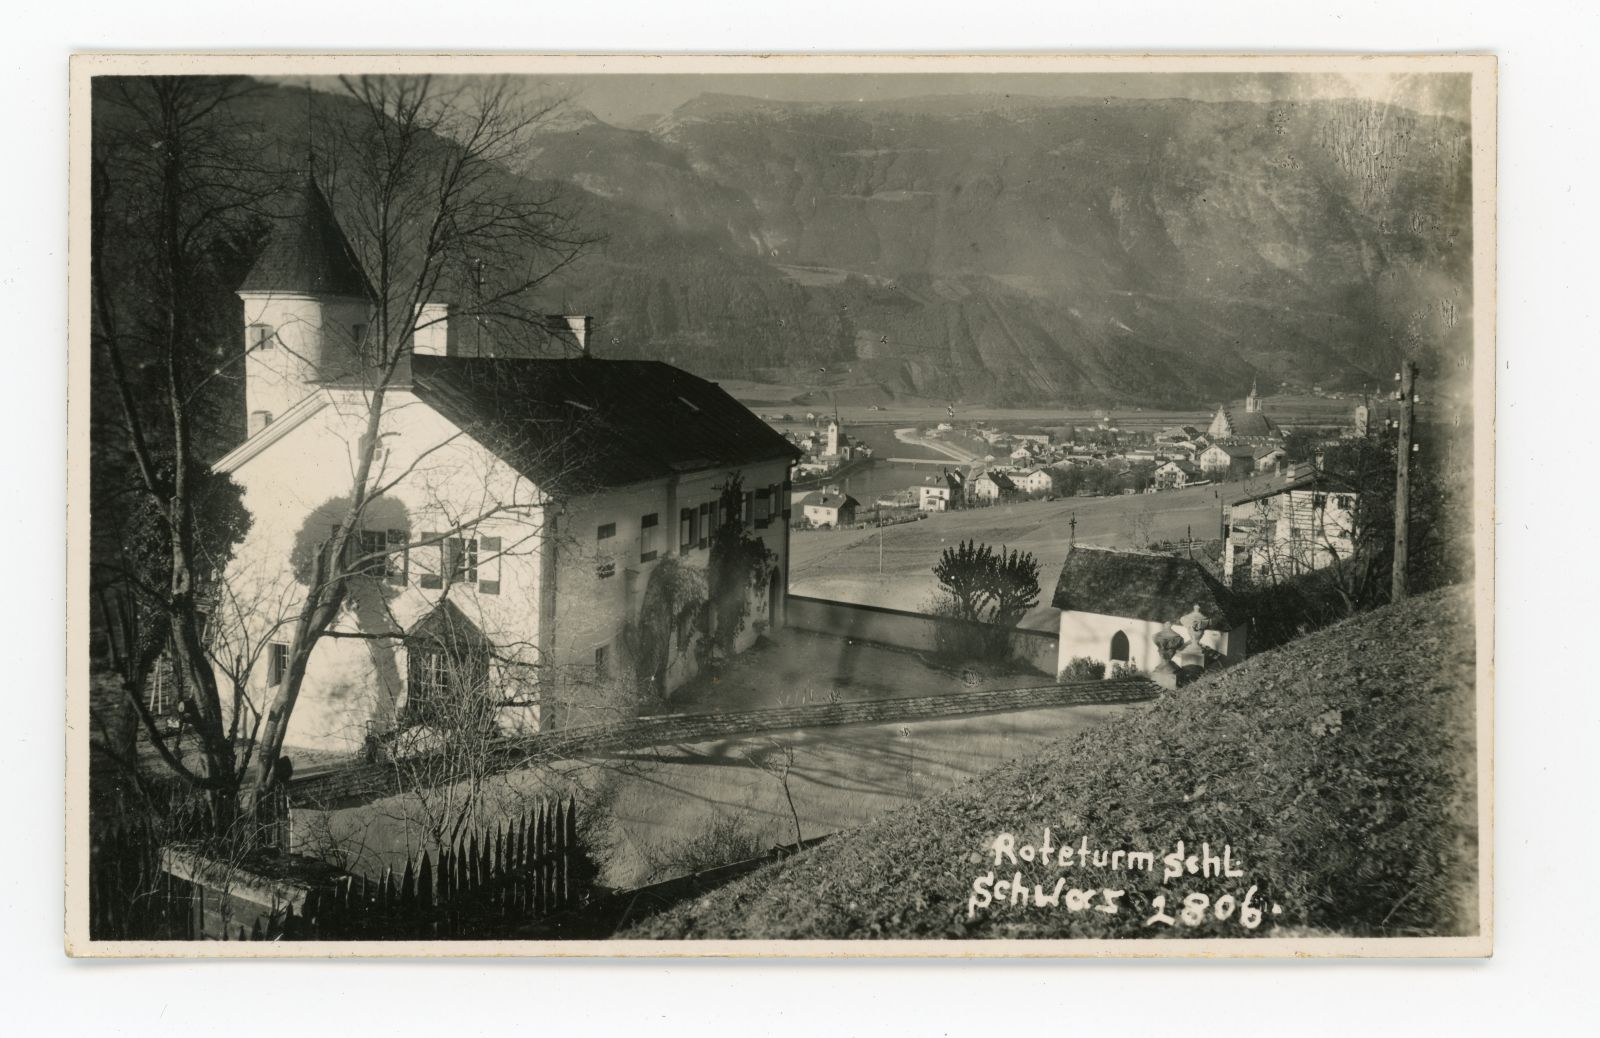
{"x":685,"y":529}
{"x":451,"y":552}
{"x":397,"y":565}
{"x":705,"y":524}
{"x":489,"y":562}
{"x":435,"y":580}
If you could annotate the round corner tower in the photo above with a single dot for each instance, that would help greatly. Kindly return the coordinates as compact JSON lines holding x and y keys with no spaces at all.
{"x":307,"y":305}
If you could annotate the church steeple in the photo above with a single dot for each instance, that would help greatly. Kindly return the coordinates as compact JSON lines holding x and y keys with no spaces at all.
{"x":1252,"y":403}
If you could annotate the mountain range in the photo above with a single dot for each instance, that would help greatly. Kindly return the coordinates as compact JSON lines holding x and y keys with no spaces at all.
{"x":1006,"y":249}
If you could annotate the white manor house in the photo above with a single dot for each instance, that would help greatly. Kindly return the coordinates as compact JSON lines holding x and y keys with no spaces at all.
{"x":522,"y":506}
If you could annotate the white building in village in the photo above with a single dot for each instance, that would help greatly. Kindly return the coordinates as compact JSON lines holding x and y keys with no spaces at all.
{"x":1034,"y":481}
{"x":1303,"y":525}
{"x":521,"y":507}
{"x":1113,"y":603}
{"x":933,"y":497}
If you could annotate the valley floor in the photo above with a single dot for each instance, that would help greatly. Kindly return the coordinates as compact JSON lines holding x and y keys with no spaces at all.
{"x":893,"y":566}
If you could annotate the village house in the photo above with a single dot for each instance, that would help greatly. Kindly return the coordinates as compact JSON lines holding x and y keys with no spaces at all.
{"x":519,"y":509}
{"x":1268,"y":458}
{"x":1304,"y":525}
{"x":1175,"y":474}
{"x":1228,"y":460}
{"x":991,"y":486}
{"x":1034,"y":481}
{"x":1113,"y":603}
{"x":933,"y":497}
{"x":829,"y":509}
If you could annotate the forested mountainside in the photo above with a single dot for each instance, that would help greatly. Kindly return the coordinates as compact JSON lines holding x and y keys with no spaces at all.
{"x":1008,"y":249}
{"x":1000,"y":249}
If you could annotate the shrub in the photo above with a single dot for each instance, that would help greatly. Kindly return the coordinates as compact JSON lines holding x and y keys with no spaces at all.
{"x":1123,"y":669}
{"x":722,"y":840}
{"x":959,"y":640}
{"x":1082,"y":668}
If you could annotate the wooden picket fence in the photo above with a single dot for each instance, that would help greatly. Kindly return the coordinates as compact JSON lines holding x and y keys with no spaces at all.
{"x":129,"y":896}
{"x":495,"y":881}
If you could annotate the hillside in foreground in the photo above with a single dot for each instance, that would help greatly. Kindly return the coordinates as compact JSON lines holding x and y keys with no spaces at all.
{"x":1338,"y":771}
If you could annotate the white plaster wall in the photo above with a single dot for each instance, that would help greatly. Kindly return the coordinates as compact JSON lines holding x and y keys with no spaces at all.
{"x":312,"y":336}
{"x":1089,"y":634}
{"x":450,"y":480}
{"x":593,"y":609}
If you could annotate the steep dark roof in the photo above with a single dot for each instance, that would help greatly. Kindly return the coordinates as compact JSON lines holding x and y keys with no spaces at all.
{"x":1250,"y":423}
{"x":1328,"y":481}
{"x":1235,"y":450}
{"x":580,"y":424}
{"x":309,"y":255}
{"x":822,"y":499}
{"x":447,"y":625}
{"x":1140,"y":586}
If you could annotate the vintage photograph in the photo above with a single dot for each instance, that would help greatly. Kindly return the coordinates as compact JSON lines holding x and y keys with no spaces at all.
{"x":674,"y":506}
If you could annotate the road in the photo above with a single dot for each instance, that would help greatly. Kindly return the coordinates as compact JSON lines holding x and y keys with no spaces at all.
{"x":663,"y":801}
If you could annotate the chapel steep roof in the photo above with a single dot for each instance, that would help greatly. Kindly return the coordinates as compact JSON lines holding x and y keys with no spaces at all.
{"x":1140,"y":585}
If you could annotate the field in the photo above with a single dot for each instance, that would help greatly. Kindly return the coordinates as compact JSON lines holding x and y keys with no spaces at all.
{"x":893,"y":567}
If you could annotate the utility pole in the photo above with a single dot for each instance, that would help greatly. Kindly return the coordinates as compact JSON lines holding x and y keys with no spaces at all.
{"x":1402,"y":480}
{"x":1073,"y":538}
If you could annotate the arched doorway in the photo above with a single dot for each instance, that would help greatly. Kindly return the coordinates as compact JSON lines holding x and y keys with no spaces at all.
{"x":772,"y":601}
{"x":1119,"y":648}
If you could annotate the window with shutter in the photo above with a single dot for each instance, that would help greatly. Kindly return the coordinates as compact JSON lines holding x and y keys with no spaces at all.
{"x":371,"y":553}
{"x":685,"y":529}
{"x":434,"y":552}
{"x":704,"y":525}
{"x":461,"y":560}
{"x":748,"y":516}
{"x":604,"y":537}
{"x":396,"y":564}
{"x":649,"y":530}
{"x":489,"y":565}
{"x":763,"y":506}
{"x":277,"y":662}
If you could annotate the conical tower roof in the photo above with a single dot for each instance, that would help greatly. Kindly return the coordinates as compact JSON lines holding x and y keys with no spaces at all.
{"x":309,"y":255}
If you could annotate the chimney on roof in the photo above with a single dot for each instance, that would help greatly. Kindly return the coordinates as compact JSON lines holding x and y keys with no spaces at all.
{"x":430,"y":334}
{"x":574,"y":327}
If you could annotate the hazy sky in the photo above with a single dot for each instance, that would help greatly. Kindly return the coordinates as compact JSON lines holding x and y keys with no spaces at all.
{"x":629,"y":98}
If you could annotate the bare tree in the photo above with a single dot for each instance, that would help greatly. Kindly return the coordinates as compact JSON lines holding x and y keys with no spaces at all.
{"x":778,"y":761}
{"x":170,"y":197}
{"x":418,"y":166}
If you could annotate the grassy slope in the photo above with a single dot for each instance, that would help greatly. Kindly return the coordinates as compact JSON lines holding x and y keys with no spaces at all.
{"x":1342,"y":767}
